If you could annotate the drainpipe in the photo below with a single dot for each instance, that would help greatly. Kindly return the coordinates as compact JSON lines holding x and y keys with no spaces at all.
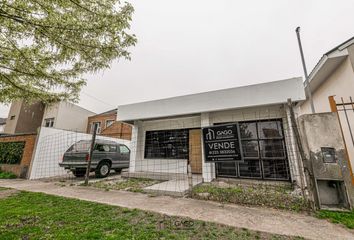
{"x":307,"y":85}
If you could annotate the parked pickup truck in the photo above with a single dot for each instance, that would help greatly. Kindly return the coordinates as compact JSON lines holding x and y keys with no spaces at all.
{"x":106,"y":155}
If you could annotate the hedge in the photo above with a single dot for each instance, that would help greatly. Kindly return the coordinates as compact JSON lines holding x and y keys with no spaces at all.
{"x":11,"y":152}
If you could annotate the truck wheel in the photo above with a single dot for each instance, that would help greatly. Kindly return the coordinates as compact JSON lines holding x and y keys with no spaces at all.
{"x":79,"y":172}
{"x":103,"y":170}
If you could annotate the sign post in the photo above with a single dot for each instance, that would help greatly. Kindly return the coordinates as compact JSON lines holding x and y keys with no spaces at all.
{"x":222,"y":143}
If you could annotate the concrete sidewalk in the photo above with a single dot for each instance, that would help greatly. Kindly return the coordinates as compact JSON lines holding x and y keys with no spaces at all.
{"x":259,"y":219}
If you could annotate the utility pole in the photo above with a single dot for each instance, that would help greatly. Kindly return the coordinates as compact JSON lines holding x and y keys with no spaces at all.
{"x":307,"y":84}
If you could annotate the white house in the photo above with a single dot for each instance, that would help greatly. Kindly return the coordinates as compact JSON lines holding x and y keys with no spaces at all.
{"x":167,"y":133}
{"x":28,"y":117}
{"x":66,"y":116}
{"x":333,"y":77}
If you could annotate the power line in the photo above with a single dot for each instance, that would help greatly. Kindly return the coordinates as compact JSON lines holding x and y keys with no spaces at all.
{"x":97,"y":99}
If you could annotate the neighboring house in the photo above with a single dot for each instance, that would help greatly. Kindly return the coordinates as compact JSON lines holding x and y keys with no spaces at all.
{"x":334,"y":76}
{"x":27,"y":117}
{"x":107,"y":125}
{"x":66,"y":116}
{"x":166,"y":133}
{"x":24,"y":118}
{"x":2,"y":125}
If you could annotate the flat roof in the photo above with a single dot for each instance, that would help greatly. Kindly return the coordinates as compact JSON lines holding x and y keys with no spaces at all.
{"x":269,"y":93}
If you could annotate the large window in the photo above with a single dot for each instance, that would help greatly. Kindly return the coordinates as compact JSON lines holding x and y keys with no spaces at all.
{"x":169,"y":144}
{"x":264,"y":152}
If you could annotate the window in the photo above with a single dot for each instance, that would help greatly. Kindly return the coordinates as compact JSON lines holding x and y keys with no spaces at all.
{"x":113,"y":148}
{"x":101,"y":148}
{"x":49,"y":122}
{"x":80,"y":146}
{"x":227,"y":169}
{"x":98,"y":127}
{"x":169,"y":144}
{"x":109,"y":123}
{"x":328,"y":154}
{"x":105,"y":148}
{"x":123,"y":149}
{"x":12,"y":117}
{"x":264,"y":152}
{"x":250,"y":169}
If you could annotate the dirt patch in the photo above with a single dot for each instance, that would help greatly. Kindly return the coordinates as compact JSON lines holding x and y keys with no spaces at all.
{"x":8,"y":193}
{"x":126,"y":184}
{"x":253,"y":195}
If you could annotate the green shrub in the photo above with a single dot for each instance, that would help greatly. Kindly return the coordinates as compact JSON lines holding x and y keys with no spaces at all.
{"x":345,"y":218}
{"x":11,"y":152}
{"x":7,"y":175}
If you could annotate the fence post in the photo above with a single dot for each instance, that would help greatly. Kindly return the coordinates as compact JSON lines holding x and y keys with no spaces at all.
{"x":306,"y":163}
{"x":90,"y":155}
{"x":190,"y":179}
{"x":333,"y":105}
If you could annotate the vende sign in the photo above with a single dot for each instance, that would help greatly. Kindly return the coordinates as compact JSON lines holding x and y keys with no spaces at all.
{"x":221,"y":143}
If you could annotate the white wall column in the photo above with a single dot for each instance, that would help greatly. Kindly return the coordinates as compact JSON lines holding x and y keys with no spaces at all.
{"x":134,"y":146}
{"x":208,"y":168}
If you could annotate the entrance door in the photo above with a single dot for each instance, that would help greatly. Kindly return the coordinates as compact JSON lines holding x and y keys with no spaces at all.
{"x":195,"y":150}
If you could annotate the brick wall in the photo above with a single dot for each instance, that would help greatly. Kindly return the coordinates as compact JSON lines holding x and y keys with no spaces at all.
{"x":116,"y":130}
{"x":20,"y":169}
{"x":102,"y":118}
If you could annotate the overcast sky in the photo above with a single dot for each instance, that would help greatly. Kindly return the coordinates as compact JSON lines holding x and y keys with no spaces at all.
{"x":189,"y":46}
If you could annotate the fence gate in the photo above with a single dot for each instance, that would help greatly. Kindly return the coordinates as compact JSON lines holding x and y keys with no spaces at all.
{"x":345,"y":111}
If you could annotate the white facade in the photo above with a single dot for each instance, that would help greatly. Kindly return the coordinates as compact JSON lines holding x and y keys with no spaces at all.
{"x":240,"y":97}
{"x":334,"y":76}
{"x":67,"y":116}
{"x":338,"y":83}
{"x":141,"y":164}
{"x":251,"y":103}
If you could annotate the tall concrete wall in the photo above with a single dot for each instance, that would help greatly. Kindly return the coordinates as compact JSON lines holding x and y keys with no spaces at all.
{"x":323,"y":130}
{"x":24,"y":117}
{"x":13,"y":117}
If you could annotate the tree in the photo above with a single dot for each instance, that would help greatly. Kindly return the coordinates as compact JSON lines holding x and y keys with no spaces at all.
{"x":46,"y":46}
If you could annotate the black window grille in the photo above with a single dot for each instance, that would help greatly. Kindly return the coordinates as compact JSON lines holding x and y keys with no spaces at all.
{"x":264,"y":152}
{"x":167,"y":144}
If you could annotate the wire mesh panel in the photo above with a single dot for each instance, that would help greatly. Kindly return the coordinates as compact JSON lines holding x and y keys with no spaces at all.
{"x":54,"y":145}
{"x":167,"y":156}
{"x":171,"y":150}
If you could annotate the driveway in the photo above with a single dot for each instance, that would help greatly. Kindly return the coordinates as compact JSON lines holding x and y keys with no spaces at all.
{"x":258,"y":219}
